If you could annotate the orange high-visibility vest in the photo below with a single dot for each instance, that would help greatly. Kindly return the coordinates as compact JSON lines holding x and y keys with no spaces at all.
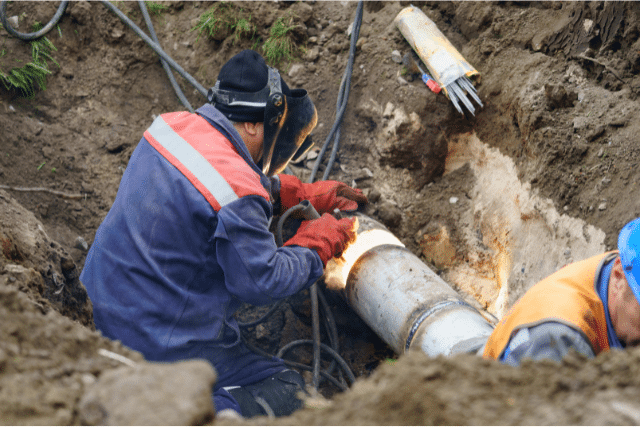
{"x":568,"y":296}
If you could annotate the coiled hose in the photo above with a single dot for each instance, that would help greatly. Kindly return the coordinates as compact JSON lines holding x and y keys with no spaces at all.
{"x":30,"y":36}
{"x":166,"y":60}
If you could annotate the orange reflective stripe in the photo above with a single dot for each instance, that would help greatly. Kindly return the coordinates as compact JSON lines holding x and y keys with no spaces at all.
{"x":568,"y":296}
{"x":205,"y":157}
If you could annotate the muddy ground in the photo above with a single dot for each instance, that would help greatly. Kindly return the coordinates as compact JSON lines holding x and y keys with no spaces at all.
{"x":544,"y":174}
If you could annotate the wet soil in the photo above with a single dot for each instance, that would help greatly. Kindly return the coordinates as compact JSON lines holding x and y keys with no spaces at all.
{"x":542,"y":175}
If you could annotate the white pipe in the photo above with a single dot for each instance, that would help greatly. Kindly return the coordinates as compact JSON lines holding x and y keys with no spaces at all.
{"x":402,"y":299}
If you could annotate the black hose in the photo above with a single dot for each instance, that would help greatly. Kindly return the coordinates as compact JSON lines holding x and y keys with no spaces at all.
{"x":153,"y":45}
{"x":172,"y":79}
{"x":271,"y":310}
{"x":343,"y":97}
{"x":307,"y":210}
{"x":324,"y":347}
{"x":30,"y":36}
{"x":296,"y":365}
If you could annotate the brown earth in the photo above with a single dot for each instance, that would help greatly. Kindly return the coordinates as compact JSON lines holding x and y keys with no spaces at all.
{"x":543,"y":174}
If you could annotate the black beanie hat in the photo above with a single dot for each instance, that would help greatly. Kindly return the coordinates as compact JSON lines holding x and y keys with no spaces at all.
{"x":245,"y":72}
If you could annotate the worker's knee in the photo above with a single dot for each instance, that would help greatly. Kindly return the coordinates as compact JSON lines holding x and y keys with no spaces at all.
{"x":276,"y":395}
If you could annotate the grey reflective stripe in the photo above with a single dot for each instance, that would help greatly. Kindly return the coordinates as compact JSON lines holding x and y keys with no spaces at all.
{"x":247,"y":104}
{"x":193,"y":161}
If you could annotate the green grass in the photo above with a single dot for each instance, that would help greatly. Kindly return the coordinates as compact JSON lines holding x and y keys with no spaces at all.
{"x":279,"y":45}
{"x":34,"y":73}
{"x":156,"y":8}
{"x":224,"y":16}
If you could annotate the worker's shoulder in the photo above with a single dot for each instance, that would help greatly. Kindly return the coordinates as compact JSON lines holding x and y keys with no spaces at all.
{"x":201,"y":149}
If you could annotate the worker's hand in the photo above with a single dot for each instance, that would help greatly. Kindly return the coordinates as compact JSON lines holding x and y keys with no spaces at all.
{"x":326,"y":235}
{"x":325,"y":196}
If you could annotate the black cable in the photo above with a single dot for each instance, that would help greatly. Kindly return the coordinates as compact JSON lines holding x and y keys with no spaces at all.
{"x":153,"y":45}
{"x":315,"y":333}
{"x":172,"y":79}
{"x":296,"y":365}
{"x":343,"y":96}
{"x":30,"y":36}
{"x":324,"y":347}
{"x":271,"y":310}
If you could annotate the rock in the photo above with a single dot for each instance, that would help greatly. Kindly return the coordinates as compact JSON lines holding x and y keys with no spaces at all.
{"x":151,"y":394}
{"x":303,"y":10}
{"x":312,"y":54}
{"x":81,"y":244}
{"x":602,"y":206}
{"x":374,"y":195}
{"x":295,"y":70}
{"x":14,"y":22}
{"x":453,"y":200}
{"x":396,"y":57}
{"x":580,"y":123}
{"x":596,"y":133}
{"x":619,"y":122}
{"x":388,"y":110}
{"x":389,"y":215}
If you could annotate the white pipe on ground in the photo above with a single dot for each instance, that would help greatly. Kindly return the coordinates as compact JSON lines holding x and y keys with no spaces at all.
{"x":402,"y":299}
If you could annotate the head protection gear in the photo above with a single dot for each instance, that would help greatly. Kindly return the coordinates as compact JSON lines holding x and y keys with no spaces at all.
{"x":629,"y":248}
{"x":247,"y":90}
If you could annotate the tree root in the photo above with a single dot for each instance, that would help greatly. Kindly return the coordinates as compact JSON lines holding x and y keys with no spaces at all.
{"x":46,"y":190}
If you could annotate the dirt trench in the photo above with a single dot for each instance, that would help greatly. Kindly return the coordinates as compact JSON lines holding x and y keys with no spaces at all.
{"x":543,"y":175}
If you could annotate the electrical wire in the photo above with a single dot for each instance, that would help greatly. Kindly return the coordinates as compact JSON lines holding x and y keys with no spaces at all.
{"x":343,"y":97}
{"x":155,"y":46}
{"x":30,"y":36}
{"x":165,"y":65}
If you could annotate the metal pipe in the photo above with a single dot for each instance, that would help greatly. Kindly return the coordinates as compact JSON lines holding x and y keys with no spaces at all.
{"x":402,"y":299}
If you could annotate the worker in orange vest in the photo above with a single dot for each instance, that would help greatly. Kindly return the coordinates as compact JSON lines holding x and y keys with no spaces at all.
{"x":589,"y":306}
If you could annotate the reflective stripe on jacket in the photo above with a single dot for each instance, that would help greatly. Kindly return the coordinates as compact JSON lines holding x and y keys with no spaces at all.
{"x":568,"y":296}
{"x":187,"y":241}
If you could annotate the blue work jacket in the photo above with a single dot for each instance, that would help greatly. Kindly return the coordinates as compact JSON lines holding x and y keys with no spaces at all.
{"x":187,"y":241}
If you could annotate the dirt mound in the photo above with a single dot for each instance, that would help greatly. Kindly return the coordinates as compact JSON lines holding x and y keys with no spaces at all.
{"x":540,"y":177}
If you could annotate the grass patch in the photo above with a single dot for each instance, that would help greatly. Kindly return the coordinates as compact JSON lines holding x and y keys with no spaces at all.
{"x":279,"y":45}
{"x":156,"y":8}
{"x":224,"y":19}
{"x":34,"y":73}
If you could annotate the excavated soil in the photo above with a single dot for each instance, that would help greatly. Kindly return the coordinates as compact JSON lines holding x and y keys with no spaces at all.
{"x":544,"y":174}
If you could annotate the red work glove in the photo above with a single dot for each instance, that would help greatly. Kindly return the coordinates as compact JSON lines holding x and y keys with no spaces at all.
{"x":326,"y":235}
{"x":325,"y":196}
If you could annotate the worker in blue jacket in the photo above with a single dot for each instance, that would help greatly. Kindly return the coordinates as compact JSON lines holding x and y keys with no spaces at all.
{"x":187,"y":239}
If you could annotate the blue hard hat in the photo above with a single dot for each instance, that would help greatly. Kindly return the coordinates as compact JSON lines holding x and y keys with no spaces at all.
{"x":629,"y":248}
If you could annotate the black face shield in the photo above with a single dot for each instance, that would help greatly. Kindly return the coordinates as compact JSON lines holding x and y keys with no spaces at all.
{"x":288,"y":119}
